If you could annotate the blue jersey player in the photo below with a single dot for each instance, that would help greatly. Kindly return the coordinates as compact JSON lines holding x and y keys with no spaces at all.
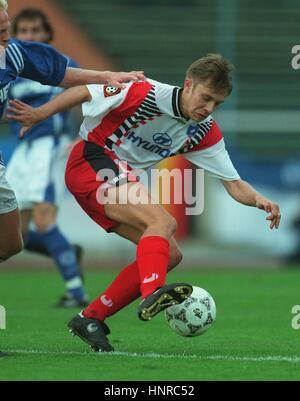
{"x":36,"y":170}
{"x":42,"y":63}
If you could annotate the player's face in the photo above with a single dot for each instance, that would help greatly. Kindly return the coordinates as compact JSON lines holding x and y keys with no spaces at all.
{"x":199,"y":100}
{"x":32,"y":30}
{"x":4,"y":28}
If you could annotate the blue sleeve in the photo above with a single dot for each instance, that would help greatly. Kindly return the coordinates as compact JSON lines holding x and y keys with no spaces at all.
{"x":42,"y":63}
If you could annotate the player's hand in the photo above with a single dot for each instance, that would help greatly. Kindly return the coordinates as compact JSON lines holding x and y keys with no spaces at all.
{"x":117,"y":79}
{"x":23,"y":113}
{"x":271,"y":208}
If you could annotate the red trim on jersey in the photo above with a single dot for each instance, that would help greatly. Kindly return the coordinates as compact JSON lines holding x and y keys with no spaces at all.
{"x":112,"y":121}
{"x":213,"y":136}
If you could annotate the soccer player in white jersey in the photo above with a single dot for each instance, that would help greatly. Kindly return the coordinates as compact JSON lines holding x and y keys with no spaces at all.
{"x":44,"y":64}
{"x":122,"y":125}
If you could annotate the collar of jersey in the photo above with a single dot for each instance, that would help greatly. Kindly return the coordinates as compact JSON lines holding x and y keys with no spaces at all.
{"x":178,"y":115}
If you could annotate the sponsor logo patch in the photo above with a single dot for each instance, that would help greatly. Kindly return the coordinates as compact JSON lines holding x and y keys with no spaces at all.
{"x":192,"y":131}
{"x":111,"y":91}
{"x":147,"y":145}
{"x":162,"y":139}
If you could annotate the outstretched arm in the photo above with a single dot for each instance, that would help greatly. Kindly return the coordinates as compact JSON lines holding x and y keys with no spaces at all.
{"x":43,"y":63}
{"x":242,"y":192}
{"x":77,"y":76}
{"x":29,"y":116}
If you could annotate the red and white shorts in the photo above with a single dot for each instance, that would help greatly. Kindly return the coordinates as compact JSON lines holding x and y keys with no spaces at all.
{"x":87,"y":172}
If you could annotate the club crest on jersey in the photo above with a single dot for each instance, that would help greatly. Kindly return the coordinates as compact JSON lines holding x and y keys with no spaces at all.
{"x":111,"y":91}
{"x":162,"y":139}
{"x":192,"y":131}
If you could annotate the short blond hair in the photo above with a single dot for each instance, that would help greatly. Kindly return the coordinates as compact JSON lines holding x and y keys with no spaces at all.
{"x":3,"y":5}
{"x":213,"y":68}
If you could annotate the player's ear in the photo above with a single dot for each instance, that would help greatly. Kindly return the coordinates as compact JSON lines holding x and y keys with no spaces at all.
{"x":188,"y":85}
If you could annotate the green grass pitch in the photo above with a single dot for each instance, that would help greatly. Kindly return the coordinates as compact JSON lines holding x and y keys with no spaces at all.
{"x":252,"y":338}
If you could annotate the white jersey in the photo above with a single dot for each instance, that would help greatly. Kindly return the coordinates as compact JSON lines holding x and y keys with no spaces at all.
{"x":143,"y":124}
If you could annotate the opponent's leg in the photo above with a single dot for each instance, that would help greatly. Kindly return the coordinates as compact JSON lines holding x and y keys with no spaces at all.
{"x":34,"y":242}
{"x":62,"y":252}
{"x":11,"y":241}
{"x":26,"y":216}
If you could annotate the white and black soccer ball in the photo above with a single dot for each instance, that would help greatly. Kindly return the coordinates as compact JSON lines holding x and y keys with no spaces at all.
{"x":194,"y":316}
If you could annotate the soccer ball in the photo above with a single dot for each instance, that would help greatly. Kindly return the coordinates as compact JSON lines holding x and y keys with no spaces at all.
{"x":194,"y":316}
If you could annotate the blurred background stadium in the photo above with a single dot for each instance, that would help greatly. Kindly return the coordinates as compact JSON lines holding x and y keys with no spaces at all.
{"x":260,"y":120}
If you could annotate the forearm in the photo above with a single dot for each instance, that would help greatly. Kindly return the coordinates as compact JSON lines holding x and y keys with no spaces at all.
{"x":78,"y":76}
{"x":29,"y":116}
{"x":242,"y":192}
{"x":66,"y":100}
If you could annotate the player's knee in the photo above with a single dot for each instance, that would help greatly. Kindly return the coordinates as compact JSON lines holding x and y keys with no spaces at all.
{"x":161,"y":221}
{"x":18,"y":246}
{"x":172,"y":224}
{"x":3,"y":257}
{"x":42,"y":226}
{"x":43,"y":223}
{"x":44,"y":216}
{"x":24,"y":233}
{"x":165,"y":222}
{"x":176,"y":257}
{"x":11,"y":250}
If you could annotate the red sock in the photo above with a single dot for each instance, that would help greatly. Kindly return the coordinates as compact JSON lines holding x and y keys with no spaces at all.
{"x":123,"y":290}
{"x":153,"y":254}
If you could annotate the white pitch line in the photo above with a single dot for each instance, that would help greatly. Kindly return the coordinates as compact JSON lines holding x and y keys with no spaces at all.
{"x":267,"y":358}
